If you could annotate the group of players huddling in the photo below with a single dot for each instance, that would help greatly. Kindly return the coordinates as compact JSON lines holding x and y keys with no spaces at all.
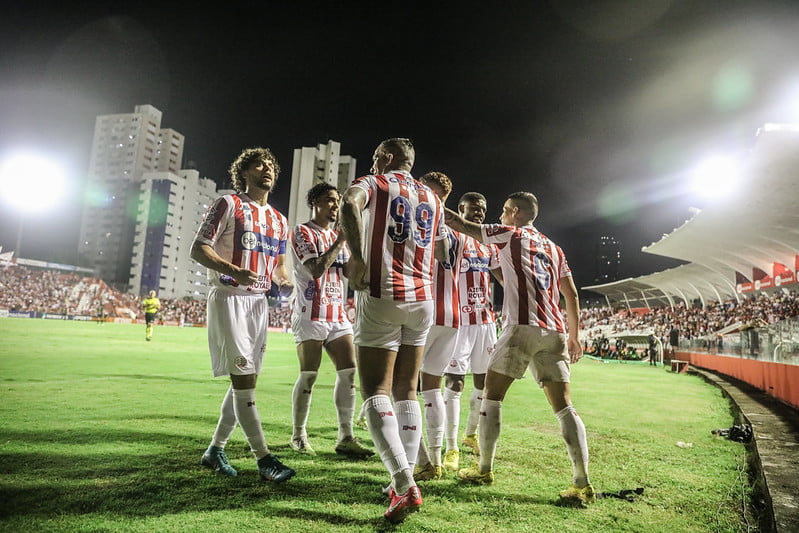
{"x":421,"y":277}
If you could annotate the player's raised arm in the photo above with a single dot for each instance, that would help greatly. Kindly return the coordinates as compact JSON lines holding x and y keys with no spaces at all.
{"x":460,"y":225}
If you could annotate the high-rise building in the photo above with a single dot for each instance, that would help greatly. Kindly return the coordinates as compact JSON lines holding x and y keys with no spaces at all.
{"x":312,"y":165}
{"x":171,"y":207}
{"x":125,"y":147}
{"x":608,"y":259}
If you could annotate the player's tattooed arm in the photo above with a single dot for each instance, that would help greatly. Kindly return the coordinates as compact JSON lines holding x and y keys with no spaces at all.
{"x":207,"y":257}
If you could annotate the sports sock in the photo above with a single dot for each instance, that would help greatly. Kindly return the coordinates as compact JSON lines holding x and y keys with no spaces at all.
{"x":344,"y":398}
{"x":383,"y":429}
{"x":409,"y":423}
{"x":301,"y":401}
{"x":452,"y":409}
{"x":247,"y":415}
{"x":573,"y":431}
{"x":227,"y":421}
{"x":474,"y":411}
{"x":489,"y":429}
{"x":434,"y":421}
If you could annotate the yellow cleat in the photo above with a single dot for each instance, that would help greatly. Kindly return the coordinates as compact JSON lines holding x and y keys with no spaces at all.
{"x":470,"y":441}
{"x":581,"y":496}
{"x":427,"y":472}
{"x":451,"y":459}
{"x":474,"y":475}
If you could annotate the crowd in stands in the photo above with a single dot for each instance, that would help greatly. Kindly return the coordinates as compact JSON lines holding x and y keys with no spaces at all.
{"x":49,"y":291}
{"x":690,"y":321}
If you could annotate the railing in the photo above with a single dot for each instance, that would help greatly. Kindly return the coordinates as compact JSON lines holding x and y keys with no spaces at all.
{"x":777,"y":343}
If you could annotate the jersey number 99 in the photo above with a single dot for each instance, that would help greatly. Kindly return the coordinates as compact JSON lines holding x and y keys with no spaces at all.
{"x":403,"y":228}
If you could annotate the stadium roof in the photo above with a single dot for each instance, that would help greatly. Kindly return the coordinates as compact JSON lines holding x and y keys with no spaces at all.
{"x":754,"y":228}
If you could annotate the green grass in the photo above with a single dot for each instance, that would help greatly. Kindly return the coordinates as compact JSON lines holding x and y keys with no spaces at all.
{"x":101,"y":431}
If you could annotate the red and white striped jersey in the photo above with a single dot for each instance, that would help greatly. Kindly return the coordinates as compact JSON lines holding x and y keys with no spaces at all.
{"x":474,"y":284}
{"x":402,"y":220}
{"x":247,"y":234}
{"x":532,"y":267}
{"x":447,"y":311}
{"x":320,"y":299}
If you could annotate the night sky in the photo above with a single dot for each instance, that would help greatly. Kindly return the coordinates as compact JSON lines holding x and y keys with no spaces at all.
{"x":600,"y":111}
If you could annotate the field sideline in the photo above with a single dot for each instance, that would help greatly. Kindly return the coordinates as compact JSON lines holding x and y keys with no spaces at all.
{"x":102,"y":431}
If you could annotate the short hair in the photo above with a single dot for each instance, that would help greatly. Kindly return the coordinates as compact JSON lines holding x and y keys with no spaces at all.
{"x":527,"y":202}
{"x":318,"y":191}
{"x":246,"y":158}
{"x":472,"y":197}
{"x":401,"y":148}
{"x":440,"y":179}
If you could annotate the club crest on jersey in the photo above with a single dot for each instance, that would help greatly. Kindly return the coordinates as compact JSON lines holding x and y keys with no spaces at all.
{"x":248,"y":240}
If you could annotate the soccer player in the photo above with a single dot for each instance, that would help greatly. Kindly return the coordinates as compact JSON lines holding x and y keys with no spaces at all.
{"x":440,"y":346}
{"x":534,"y":336}
{"x":320,"y":255}
{"x":478,"y":332}
{"x":395,"y":229}
{"x":151,"y":305}
{"x":242,"y":241}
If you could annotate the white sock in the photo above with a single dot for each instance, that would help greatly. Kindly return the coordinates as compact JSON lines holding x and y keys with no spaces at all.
{"x":227,"y":421}
{"x":474,"y":411}
{"x":250,"y":422}
{"x":344,"y":398}
{"x":301,"y":402}
{"x":434,"y":420}
{"x":452,"y":409}
{"x":409,"y":423}
{"x":385,"y":436}
{"x":573,"y":431}
{"x":490,"y":426}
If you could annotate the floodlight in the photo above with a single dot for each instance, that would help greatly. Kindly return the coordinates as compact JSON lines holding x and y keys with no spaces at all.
{"x":716,"y":177}
{"x":30,"y":182}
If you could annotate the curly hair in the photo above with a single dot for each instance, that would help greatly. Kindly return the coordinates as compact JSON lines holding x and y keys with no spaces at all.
{"x":440,"y":179}
{"x":317,"y":191}
{"x":247,"y":158}
{"x":473,"y":197}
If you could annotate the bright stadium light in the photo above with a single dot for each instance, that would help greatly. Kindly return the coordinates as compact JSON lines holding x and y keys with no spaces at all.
{"x":30,"y":183}
{"x":716,"y":177}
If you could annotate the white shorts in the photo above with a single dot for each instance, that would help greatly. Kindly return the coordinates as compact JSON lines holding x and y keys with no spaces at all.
{"x":237,"y":325}
{"x":473,"y":350}
{"x":438,"y":349}
{"x":543,"y":351}
{"x":383,"y":323}
{"x":317,"y":330}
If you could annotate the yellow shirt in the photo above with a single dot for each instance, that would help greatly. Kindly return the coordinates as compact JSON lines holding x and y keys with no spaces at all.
{"x":151,"y":305}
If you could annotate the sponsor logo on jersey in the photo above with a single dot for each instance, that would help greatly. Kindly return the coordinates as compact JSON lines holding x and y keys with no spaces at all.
{"x":248,"y":240}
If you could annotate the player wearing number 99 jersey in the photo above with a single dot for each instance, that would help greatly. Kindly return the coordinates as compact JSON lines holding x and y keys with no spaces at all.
{"x":395,"y":229}
{"x":401,"y":220}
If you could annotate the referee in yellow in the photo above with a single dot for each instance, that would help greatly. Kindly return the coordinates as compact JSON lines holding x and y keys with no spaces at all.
{"x":151,"y":305}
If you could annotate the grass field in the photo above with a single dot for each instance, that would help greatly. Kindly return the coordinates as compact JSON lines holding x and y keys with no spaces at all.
{"x":101,"y":431}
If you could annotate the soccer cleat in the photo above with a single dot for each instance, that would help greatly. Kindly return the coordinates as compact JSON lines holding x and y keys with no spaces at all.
{"x":402,"y":505}
{"x":427,"y":472}
{"x":473,"y":474}
{"x":352,"y":447}
{"x":215,"y":459}
{"x":271,"y":469}
{"x":361,"y":423}
{"x":451,"y":459}
{"x":578,"y":495}
{"x":301,"y":445}
{"x":470,"y":441}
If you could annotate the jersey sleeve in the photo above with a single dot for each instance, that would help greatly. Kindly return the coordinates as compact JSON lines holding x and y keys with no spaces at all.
{"x":304,"y":244}
{"x":213,"y":222}
{"x":497,"y":234}
{"x":563,"y":265}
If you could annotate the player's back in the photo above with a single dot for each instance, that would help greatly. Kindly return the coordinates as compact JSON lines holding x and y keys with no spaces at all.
{"x":401,"y":222}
